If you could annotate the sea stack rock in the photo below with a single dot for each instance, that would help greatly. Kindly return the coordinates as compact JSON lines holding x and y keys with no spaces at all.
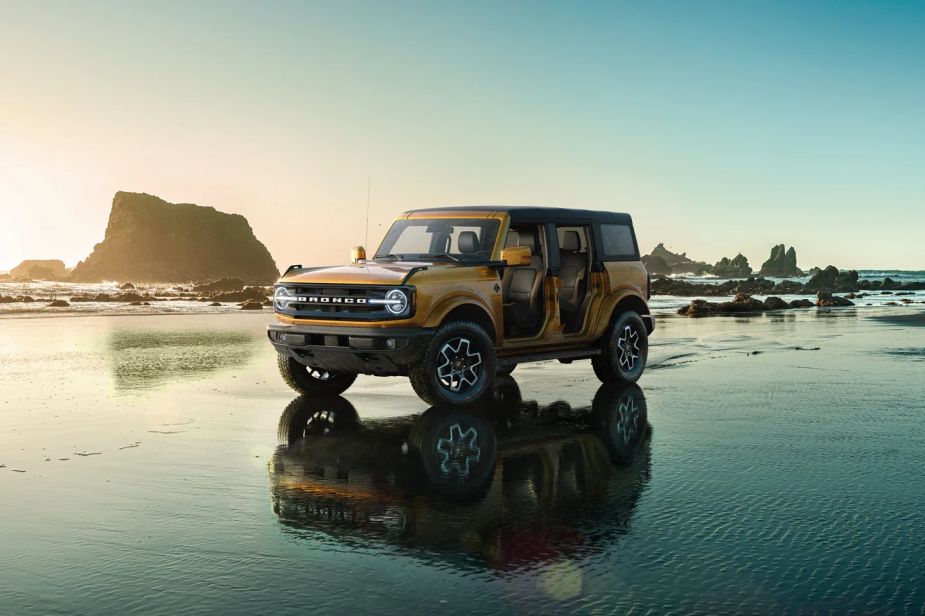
{"x":150,"y":240}
{"x":656,"y":265}
{"x":679,"y":263}
{"x":41,"y":269}
{"x":782,"y":263}
{"x":737,"y":267}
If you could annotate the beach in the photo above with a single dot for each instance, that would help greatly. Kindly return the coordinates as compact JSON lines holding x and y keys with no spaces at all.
{"x":144,"y":469}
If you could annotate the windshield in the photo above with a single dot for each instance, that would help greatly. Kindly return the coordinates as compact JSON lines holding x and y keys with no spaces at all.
{"x":456,"y":239}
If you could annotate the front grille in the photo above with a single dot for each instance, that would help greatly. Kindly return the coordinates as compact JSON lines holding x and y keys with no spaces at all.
{"x":345,"y":302}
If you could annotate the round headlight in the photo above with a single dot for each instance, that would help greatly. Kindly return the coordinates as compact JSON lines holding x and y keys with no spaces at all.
{"x":397,"y":301}
{"x":281,"y":298}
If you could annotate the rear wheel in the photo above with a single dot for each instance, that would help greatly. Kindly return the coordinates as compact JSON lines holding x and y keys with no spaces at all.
{"x":308,"y":380}
{"x":624,"y":350}
{"x":457,"y":366}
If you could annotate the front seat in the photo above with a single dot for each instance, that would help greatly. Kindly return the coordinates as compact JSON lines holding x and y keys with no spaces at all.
{"x":573,"y":272}
{"x":521,"y":288}
{"x":468,"y":242}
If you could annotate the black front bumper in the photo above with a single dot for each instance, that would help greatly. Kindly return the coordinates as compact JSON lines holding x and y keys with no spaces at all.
{"x":365,"y":350}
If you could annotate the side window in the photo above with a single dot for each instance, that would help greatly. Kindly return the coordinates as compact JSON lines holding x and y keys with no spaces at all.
{"x":572,"y":239}
{"x":617,"y":243}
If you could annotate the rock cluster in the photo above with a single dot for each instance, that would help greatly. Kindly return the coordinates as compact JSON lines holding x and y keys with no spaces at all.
{"x":830,"y":279}
{"x":746,"y":304}
{"x":737,"y":267}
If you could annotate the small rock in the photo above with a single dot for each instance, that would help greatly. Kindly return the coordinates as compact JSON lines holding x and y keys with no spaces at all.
{"x":215,"y":304}
{"x":801,"y":303}
{"x":775,"y":303}
{"x":827,"y":300}
{"x":126,"y":286}
{"x":251,"y":305}
{"x":58,"y":303}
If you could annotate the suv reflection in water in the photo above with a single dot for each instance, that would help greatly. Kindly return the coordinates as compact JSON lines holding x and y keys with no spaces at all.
{"x":510,"y":484}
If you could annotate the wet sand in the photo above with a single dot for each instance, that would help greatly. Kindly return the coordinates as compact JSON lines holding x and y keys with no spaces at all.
{"x":141,"y":469}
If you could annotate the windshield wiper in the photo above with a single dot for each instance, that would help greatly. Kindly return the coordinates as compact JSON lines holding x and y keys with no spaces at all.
{"x":443,"y":255}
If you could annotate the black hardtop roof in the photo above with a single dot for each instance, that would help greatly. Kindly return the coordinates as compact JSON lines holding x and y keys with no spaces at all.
{"x":537,"y":214}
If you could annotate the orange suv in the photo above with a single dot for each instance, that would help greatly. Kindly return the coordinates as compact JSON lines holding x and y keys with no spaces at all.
{"x":457,"y":295}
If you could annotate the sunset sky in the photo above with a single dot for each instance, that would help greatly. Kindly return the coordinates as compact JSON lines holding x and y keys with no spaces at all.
{"x":720,"y":126}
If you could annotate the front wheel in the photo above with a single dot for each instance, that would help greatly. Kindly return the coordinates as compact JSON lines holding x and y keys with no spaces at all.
{"x":624,"y":350}
{"x":308,"y":380}
{"x":457,"y":366}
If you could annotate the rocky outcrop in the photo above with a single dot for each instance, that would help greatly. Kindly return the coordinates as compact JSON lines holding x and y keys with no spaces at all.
{"x":150,"y":240}
{"x":827,"y":300}
{"x":679,"y":263}
{"x":742,"y":304}
{"x":737,"y":267}
{"x":656,"y":265}
{"x":746,"y":304}
{"x":830,"y":279}
{"x":782,"y":263}
{"x":39,"y":269}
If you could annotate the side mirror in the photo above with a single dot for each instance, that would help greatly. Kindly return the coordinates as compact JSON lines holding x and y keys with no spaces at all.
{"x":516,"y":255}
{"x":357,"y":254}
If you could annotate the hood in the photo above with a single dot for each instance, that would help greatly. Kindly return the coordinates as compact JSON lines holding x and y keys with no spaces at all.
{"x":386,"y":273}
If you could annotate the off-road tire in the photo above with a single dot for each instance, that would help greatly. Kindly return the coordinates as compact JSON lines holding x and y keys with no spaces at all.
{"x":298,"y":377}
{"x":424,"y":375}
{"x":614,"y":366}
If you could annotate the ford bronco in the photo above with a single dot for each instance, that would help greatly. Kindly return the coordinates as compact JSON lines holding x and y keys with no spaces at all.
{"x":457,"y":295}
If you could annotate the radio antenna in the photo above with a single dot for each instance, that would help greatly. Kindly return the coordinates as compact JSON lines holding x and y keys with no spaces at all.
{"x":369,"y":186}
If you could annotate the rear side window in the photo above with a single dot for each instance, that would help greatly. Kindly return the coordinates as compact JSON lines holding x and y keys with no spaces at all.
{"x":618,"y":243}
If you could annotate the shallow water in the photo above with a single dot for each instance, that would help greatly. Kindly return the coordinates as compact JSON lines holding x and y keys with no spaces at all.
{"x":157,"y":464}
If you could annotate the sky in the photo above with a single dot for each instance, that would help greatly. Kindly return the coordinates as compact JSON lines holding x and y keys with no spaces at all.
{"x":722,"y":127}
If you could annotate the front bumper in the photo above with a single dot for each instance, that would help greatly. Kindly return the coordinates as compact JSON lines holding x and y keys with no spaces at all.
{"x":365,"y":350}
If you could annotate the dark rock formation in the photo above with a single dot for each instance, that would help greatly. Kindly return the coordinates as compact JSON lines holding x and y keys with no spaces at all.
{"x":39,"y":269}
{"x":150,"y":240}
{"x":215,"y":304}
{"x":830,"y":279}
{"x":827,"y":300}
{"x":738,"y":267}
{"x":775,"y":303}
{"x":58,"y":303}
{"x":128,"y":286}
{"x":656,"y":265}
{"x":782,"y":263}
{"x":680,"y":263}
{"x":742,"y":304}
{"x":252,"y":305}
